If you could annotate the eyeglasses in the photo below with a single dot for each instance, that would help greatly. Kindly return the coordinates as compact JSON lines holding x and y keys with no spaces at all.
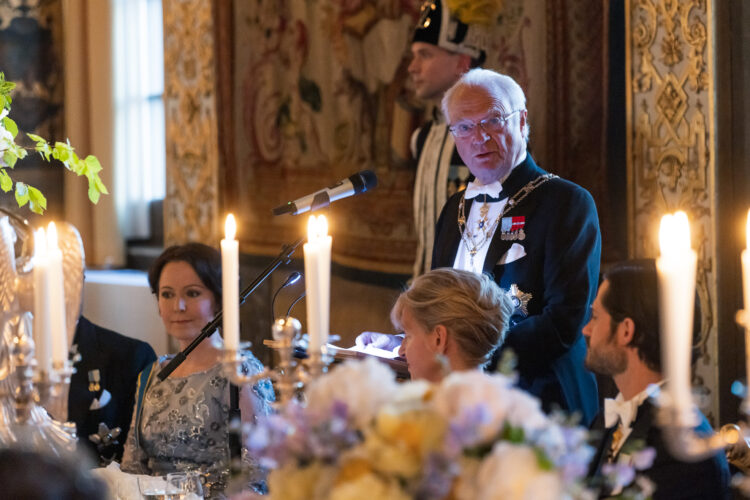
{"x":493,"y":124}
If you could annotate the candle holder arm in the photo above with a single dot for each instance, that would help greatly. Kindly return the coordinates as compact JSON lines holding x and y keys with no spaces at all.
{"x":685,"y":444}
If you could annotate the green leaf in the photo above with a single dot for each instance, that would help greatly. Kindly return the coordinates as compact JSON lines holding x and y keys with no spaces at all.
{"x":100,"y":185}
{"x":37,"y":201}
{"x":20,"y":151}
{"x":5,"y":90}
{"x":10,"y":157}
{"x":22,"y":194}
{"x":75,"y":165}
{"x":543,"y":460}
{"x":6,"y":183}
{"x":513,"y":434}
{"x":44,"y":150}
{"x":42,"y":147}
{"x":92,"y":164}
{"x":10,"y":126}
{"x":94,"y":193}
{"x":62,"y":151}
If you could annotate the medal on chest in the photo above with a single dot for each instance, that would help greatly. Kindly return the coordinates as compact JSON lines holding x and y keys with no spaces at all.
{"x":94,"y":380}
{"x":512,"y":228}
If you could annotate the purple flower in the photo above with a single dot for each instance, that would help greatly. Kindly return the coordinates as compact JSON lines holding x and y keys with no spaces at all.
{"x":618,"y":475}
{"x":437,"y":477}
{"x":643,"y":459}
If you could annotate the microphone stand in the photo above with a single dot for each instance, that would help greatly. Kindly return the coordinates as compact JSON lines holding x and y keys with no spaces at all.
{"x":284,"y":257}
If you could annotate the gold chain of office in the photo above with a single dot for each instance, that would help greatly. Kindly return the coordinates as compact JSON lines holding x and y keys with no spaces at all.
{"x":487,"y":232}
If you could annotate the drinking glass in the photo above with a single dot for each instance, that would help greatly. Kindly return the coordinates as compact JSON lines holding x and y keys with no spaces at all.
{"x":152,"y":487}
{"x":184,"y":486}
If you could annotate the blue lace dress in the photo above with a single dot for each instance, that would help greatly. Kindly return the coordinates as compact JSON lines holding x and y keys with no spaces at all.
{"x":184,"y":424}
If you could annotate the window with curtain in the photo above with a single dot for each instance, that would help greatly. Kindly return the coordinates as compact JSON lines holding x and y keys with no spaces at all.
{"x":140,"y":150}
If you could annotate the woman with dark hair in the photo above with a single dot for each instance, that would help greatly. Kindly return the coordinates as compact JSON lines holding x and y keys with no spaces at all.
{"x":182,"y":423}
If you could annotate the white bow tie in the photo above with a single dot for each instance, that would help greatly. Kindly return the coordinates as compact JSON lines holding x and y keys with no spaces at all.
{"x":616,"y":410}
{"x":473,"y":189}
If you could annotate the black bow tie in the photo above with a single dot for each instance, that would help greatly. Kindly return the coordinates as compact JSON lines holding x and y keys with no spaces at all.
{"x":485,"y":198}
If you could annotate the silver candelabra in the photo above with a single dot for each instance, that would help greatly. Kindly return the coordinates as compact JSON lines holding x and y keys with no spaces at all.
{"x":290,"y":375}
{"x":30,"y":397}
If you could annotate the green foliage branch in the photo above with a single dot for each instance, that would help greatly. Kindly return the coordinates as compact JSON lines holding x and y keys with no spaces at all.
{"x":10,"y":153}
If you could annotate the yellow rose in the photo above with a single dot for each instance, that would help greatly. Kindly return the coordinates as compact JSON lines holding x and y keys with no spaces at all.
{"x":390,"y":457}
{"x":299,"y":483}
{"x":371,"y":487}
{"x":420,"y":431}
{"x":352,"y":469}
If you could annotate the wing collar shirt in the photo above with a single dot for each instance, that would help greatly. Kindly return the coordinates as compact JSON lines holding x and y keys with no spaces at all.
{"x":476,"y":191}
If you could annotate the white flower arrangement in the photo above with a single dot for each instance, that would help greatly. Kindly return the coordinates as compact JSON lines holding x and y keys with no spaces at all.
{"x":474,"y":436}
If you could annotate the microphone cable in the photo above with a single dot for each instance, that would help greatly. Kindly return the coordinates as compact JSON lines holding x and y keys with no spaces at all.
{"x":301,"y":296}
{"x":290,"y":280}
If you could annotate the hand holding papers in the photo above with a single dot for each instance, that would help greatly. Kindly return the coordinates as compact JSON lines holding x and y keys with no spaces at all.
{"x":389,"y":357}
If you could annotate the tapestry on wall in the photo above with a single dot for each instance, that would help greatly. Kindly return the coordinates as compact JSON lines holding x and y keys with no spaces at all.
{"x":320,"y":91}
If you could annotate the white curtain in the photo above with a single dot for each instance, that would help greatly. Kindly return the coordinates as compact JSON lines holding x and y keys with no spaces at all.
{"x":140,"y":149}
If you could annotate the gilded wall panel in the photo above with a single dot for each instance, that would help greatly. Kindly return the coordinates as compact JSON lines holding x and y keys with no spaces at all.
{"x":191,"y":204}
{"x":671,"y":142}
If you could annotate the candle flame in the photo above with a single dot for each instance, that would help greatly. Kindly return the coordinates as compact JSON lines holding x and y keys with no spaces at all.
{"x":674,"y":234}
{"x":317,"y":228}
{"x":52,"y":236}
{"x":322,"y":226}
{"x":230,"y":228}
{"x":747,"y":231}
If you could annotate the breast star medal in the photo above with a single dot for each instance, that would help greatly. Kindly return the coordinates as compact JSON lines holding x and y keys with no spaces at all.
{"x":520,"y":299}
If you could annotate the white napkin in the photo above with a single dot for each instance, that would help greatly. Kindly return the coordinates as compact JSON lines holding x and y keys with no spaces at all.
{"x":121,"y":485}
{"x":515,"y":252}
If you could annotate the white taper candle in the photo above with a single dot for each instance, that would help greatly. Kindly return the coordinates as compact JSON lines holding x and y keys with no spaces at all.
{"x":676,"y":267}
{"x":230,"y":284}
{"x":42,"y":320}
{"x":56,"y":297}
{"x":317,"y":281}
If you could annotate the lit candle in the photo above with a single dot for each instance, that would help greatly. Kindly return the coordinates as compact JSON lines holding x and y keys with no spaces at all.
{"x":42,"y":320}
{"x":317,"y":281}
{"x":230,"y":283}
{"x":56,"y":298}
{"x":746,"y":294}
{"x":676,"y":268}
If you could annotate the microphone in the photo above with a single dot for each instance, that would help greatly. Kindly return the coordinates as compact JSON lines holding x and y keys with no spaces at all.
{"x":355,"y":184}
{"x":290,"y":280}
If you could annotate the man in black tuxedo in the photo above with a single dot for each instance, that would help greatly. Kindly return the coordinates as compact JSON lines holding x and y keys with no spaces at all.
{"x":536,"y":234}
{"x":623,"y":337}
{"x":103,"y":388}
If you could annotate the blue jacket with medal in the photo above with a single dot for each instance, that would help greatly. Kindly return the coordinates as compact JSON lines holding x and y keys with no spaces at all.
{"x":103,"y":387}
{"x":560,"y":270}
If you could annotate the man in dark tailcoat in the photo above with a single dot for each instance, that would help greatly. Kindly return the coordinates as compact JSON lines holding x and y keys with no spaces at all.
{"x":623,"y":337}
{"x":536,"y":234}
{"x":103,"y":388}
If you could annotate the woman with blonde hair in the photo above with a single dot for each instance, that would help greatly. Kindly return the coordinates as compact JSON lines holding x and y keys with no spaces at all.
{"x":452,"y":320}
